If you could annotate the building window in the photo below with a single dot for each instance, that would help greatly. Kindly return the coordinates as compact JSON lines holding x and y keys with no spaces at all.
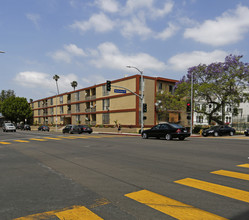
{"x":39,"y":120}
{"x":39,"y":112}
{"x":106,"y":104}
{"x":78,"y":119}
{"x":106,"y":118}
{"x":77,"y":96}
{"x":78,"y":107}
{"x":228,"y":119}
{"x":51,"y":101}
{"x":39,"y":105}
{"x":61,"y":99}
{"x":52,"y":111}
{"x":171,"y":90}
{"x":104,"y":91}
{"x":160,"y":86}
{"x":199,"y":119}
{"x":61,"y":110}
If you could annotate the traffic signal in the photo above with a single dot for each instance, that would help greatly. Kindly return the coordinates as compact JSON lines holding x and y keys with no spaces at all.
{"x":188,"y":107}
{"x":108,"y":85}
{"x":144,"y":107}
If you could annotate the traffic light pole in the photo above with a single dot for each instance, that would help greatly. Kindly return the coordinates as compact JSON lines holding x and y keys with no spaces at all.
{"x":191,"y":101}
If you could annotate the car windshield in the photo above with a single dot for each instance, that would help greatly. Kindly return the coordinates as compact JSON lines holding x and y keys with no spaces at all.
{"x":9,"y":124}
{"x":176,"y":126}
{"x":214,"y":127}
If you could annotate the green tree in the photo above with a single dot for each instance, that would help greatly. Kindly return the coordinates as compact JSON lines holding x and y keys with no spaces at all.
{"x":74,"y":84}
{"x":217,"y":85}
{"x":4,"y":95}
{"x":168,"y":102}
{"x":16,"y":109}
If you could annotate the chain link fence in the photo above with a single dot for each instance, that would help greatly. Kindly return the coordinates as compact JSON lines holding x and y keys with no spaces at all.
{"x":240,"y":123}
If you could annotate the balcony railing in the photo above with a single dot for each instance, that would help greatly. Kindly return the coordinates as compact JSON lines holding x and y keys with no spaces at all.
{"x":90,"y":97}
{"x":91,"y":109}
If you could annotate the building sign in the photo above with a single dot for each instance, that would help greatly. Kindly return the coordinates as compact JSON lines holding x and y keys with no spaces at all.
{"x":119,"y":90}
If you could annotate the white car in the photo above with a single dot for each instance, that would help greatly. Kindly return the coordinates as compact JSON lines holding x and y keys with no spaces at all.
{"x":9,"y":127}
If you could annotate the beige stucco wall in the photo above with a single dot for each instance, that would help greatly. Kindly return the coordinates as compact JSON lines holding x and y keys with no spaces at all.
{"x":123,"y":102}
{"x":125,"y":118}
{"x":149,"y":97}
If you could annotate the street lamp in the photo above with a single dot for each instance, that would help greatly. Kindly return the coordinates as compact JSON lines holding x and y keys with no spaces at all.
{"x":141,"y":96}
{"x":56,"y":77}
{"x":191,"y":114}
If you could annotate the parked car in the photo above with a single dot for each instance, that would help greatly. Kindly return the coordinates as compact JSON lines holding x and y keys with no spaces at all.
{"x":26,"y":127}
{"x":219,"y":131}
{"x":43,"y":128}
{"x":246,"y":132}
{"x":18,"y":126}
{"x":71,"y":129}
{"x":85,"y":129}
{"x":9,"y":127}
{"x":167,"y":131}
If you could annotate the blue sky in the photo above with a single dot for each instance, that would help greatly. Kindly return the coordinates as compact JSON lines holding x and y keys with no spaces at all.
{"x":93,"y":41}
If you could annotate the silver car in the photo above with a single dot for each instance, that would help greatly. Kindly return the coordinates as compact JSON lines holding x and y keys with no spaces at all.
{"x":9,"y":127}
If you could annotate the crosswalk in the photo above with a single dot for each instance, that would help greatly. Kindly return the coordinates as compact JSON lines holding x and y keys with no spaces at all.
{"x":162,"y":203}
{"x":57,"y":138}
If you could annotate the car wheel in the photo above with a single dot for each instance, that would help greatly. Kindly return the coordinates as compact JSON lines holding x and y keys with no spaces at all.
{"x":168,"y":137}
{"x":216,"y":134}
{"x":181,"y":138}
{"x":144,"y":136}
{"x":204,"y":135}
{"x":231,"y":133}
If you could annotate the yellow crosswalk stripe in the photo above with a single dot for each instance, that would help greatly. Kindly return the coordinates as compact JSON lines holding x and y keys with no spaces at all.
{"x":215,"y":188}
{"x":3,"y":142}
{"x":69,"y":137}
{"x":37,"y":139}
{"x":77,"y":213}
{"x":21,"y":141}
{"x":51,"y":138}
{"x":73,"y":213}
{"x":171,"y":207}
{"x":246,"y":165}
{"x":227,"y":173}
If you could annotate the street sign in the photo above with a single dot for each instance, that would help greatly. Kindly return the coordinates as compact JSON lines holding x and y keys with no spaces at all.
{"x":119,"y":90}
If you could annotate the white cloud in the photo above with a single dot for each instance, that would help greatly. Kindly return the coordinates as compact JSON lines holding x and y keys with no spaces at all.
{"x":168,"y":32}
{"x":93,"y":79}
{"x":74,"y":50}
{"x":35,"y":18}
{"x":68,"y":53}
{"x":109,"y":56}
{"x":135,"y":4}
{"x":135,"y":26}
{"x":229,"y":28}
{"x":168,"y":7}
{"x":98,"y":22}
{"x":44,"y":82}
{"x":183,"y":61}
{"x":111,"y":6}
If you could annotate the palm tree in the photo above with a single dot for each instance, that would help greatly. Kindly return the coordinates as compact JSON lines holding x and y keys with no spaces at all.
{"x":74,"y":84}
{"x":56,"y":77}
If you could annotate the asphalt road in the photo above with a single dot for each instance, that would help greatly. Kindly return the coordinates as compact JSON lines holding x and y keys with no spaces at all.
{"x":55,"y":176}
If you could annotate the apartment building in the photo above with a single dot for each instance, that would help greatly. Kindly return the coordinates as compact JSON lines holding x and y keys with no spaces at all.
{"x":96,"y":106}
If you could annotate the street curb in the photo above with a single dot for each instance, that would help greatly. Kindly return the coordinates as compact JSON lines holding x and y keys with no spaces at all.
{"x":121,"y":134}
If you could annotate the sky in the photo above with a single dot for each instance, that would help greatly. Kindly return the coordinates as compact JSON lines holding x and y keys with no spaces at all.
{"x":91,"y":41}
